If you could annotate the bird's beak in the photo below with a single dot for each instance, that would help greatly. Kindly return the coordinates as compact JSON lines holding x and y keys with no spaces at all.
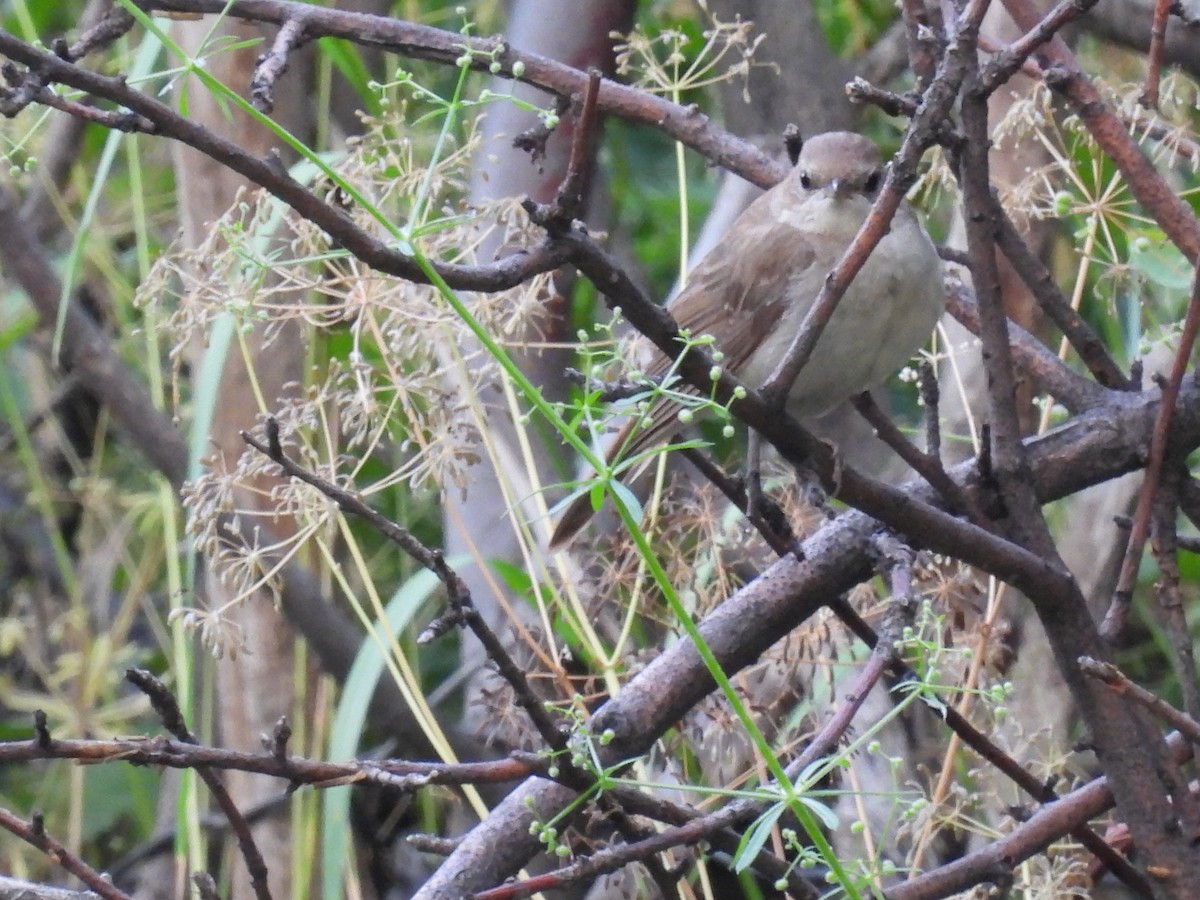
{"x":840,"y":188}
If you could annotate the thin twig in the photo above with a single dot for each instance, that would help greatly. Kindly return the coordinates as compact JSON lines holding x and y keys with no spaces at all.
{"x":930,"y":390}
{"x":1119,"y":682}
{"x":1164,"y":545}
{"x":274,"y":63}
{"x":1040,"y":281}
{"x":928,"y":467}
{"x":1118,"y":610}
{"x":34,"y":832}
{"x":459,"y":595}
{"x":167,"y":707}
{"x":1006,"y":63}
{"x":571,"y":191}
{"x":922,"y":40}
{"x":115,"y":23}
{"x":1154,"y":56}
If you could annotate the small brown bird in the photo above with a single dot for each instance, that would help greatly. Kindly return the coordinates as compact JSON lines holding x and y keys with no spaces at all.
{"x":752,"y":292}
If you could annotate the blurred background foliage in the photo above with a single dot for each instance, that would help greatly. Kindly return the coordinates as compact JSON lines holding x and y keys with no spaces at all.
{"x":93,"y":554}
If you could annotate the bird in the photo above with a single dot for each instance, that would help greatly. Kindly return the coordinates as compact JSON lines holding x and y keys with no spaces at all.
{"x":752,"y":291}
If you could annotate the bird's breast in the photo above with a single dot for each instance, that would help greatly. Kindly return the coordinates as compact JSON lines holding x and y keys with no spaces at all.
{"x":884,"y":317}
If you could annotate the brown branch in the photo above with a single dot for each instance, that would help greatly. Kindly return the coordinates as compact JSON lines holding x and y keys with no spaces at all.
{"x":859,"y":90}
{"x":1119,"y":682}
{"x":1007,"y":62}
{"x":266,"y":172}
{"x":927,"y":384}
{"x":1114,"y":618}
{"x":459,"y":595}
{"x":402,"y":774}
{"x":167,"y":707}
{"x":922,"y":45}
{"x":416,"y":41}
{"x":1138,"y":779}
{"x":1065,"y":76}
{"x":570,"y":193}
{"x":1082,"y":338}
{"x":927,"y":466}
{"x":34,"y":833}
{"x":274,"y":63}
{"x":1164,"y":544}
{"x":113,"y":25}
{"x":1127,"y":24}
{"x":1010,"y":463}
{"x":1027,"y":839}
{"x":1154,"y":56}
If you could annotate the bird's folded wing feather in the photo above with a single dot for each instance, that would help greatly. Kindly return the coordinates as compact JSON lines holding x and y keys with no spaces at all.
{"x":738,"y":293}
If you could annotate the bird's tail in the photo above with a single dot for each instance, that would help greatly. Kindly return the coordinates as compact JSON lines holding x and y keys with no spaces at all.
{"x":578,"y":513}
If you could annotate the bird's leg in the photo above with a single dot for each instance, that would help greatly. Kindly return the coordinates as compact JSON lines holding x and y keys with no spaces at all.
{"x":808,"y":486}
{"x":812,"y":492}
{"x":761,"y":510}
{"x":754,"y":495}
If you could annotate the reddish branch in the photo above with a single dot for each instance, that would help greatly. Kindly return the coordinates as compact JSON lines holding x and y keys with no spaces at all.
{"x":415,"y":41}
{"x":1064,"y":74}
{"x":296,"y":770}
{"x":1154,"y":56}
{"x":167,"y":707}
{"x":34,"y":833}
{"x":1028,"y":839}
{"x":1038,"y":278}
{"x":1006,"y":63}
{"x":570,"y":194}
{"x":1114,"y":619}
{"x":922,"y":45}
{"x":1119,"y":682}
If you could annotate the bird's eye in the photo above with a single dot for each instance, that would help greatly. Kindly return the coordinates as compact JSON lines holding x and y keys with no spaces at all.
{"x":871,"y":185}
{"x":806,"y":182}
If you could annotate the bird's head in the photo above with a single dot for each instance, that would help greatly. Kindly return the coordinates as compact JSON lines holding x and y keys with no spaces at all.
{"x":840,"y":164}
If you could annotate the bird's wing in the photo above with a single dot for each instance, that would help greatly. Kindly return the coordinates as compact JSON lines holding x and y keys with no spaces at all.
{"x":748,"y":277}
{"x":749,"y":274}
